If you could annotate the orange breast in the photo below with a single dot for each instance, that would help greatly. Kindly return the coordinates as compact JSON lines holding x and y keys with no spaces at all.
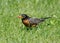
{"x":26,"y":22}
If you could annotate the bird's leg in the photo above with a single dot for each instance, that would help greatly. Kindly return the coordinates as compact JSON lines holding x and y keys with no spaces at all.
{"x":28,"y":28}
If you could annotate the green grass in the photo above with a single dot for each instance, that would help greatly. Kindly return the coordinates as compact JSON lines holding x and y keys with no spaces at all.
{"x":13,"y":31}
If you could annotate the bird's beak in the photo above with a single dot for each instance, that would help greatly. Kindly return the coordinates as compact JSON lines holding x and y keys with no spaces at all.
{"x":20,"y":17}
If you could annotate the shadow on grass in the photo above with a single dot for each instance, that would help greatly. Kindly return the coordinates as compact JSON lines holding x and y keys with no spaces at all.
{"x":30,"y":28}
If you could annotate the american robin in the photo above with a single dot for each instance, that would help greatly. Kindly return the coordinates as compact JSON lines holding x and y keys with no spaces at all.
{"x":31,"y":22}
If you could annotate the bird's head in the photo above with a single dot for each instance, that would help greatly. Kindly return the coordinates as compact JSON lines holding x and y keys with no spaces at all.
{"x":23,"y":16}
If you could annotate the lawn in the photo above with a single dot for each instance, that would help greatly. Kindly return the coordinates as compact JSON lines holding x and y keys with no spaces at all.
{"x":13,"y":31}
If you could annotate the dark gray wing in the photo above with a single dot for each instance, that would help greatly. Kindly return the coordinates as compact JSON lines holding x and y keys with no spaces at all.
{"x":34,"y":20}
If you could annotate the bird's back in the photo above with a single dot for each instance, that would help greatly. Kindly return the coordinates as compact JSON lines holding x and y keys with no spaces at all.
{"x":37,"y":20}
{"x":34,"y":20}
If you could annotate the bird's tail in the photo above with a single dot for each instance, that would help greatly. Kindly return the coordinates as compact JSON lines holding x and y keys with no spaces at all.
{"x":43,"y":19}
{"x":46,"y":18}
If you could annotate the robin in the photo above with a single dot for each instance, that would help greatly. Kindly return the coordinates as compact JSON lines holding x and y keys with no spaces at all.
{"x":31,"y":22}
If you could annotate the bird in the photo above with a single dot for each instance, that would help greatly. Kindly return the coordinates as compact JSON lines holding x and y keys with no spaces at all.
{"x":31,"y":21}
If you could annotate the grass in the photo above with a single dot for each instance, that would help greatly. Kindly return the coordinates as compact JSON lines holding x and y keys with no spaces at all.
{"x":13,"y":31}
